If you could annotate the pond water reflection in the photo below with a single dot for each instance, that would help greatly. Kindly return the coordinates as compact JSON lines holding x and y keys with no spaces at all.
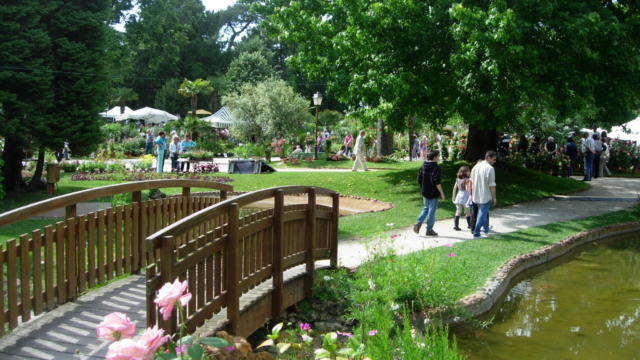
{"x":586,"y":306}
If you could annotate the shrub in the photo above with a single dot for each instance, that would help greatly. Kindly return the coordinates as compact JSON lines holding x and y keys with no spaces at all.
{"x":1,"y":188}
{"x":145,"y":163}
{"x":70,"y":166}
{"x":116,"y":167}
{"x":133,"y":146}
{"x":92,"y":167}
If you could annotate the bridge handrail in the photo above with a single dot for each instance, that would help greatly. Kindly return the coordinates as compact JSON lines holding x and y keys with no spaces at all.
{"x":182,"y":226}
{"x":70,"y":200}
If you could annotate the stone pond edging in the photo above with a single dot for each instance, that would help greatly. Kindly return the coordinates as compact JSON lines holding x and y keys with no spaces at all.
{"x":488,"y":295}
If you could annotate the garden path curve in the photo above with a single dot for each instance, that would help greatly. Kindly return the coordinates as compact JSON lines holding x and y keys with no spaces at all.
{"x":68,"y":332}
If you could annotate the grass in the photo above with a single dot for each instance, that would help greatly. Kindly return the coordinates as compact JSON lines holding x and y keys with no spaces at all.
{"x":437,"y":278}
{"x":398,"y":186}
{"x":346,"y":164}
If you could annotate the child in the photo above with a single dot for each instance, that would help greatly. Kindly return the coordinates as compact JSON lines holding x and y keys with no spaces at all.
{"x":461,"y":197}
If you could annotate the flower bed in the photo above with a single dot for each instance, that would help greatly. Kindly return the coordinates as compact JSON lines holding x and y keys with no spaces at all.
{"x":139,"y":176}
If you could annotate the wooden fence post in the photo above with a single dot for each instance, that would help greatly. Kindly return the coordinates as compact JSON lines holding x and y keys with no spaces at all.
{"x":233,"y":262}
{"x":139,"y":238}
{"x":167,"y":263}
{"x":333,"y":240}
{"x":278,"y":224}
{"x":70,"y":211}
{"x":186,"y":194}
{"x":223,"y":195}
{"x":310,"y":242}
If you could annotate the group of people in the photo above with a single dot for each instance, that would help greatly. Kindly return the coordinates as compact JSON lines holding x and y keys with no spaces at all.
{"x":596,"y":150}
{"x":474,"y":192}
{"x":173,"y":151}
{"x":420,"y":147}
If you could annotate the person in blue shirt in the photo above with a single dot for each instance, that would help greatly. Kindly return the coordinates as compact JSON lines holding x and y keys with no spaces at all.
{"x":161,"y":146}
{"x":571,"y":150}
{"x":186,"y":145}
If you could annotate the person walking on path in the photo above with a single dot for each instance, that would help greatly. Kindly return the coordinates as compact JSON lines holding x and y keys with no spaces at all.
{"x":430,"y":188}
{"x":588,"y":149}
{"x":460,"y":197}
{"x":596,"y":155}
{"x":604,"y":155}
{"x":161,"y":146}
{"x":360,"y":152}
{"x":483,"y":183}
{"x":571,"y":151}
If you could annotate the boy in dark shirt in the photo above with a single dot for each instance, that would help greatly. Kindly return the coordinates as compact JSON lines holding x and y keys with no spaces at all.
{"x":430,"y":188}
{"x":571,"y":150}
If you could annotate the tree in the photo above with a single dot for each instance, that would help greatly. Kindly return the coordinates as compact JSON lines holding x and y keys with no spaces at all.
{"x":52,"y":83}
{"x":248,"y":68}
{"x":191,"y":89}
{"x":168,"y":99}
{"x":265,"y":110}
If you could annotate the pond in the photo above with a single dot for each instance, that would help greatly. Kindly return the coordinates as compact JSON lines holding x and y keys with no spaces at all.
{"x":584,"y":306}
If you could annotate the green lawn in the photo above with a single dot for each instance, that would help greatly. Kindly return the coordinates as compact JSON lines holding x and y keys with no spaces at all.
{"x":396,"y":186}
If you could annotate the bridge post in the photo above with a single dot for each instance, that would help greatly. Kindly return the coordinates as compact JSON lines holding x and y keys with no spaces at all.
{"x":335,"y":215}
{"x":167,"y":264}
{"x":186,"y":194}
{"x":139,"y":245}
{"x":277,"y":273}
{"x":310,"y":242}
{"x":233,"y":262}
{"x":70,"y":211}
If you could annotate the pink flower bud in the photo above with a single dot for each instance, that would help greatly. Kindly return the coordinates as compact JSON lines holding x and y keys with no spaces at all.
{"x":116,"y":326}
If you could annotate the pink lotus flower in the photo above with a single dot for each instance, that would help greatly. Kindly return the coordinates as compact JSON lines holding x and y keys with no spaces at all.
{"x":452,"y":255}
{"x":126,"y":349}
{"x":153,"y":338}
{"x":169,"y":296}
{"x":305,"y":326}
{"x":116,"y":326}
{"x":372,"y":332}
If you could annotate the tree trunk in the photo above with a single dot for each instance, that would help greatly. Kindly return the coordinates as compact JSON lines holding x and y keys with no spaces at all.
{"x":214,"y":101}
{"x":12,"y":171}
{"x":37,"y":176}
{"x":410,"y":125}
{"x":479,"y":142}
{"x":385,"y":140}
{"x":194,"y":105}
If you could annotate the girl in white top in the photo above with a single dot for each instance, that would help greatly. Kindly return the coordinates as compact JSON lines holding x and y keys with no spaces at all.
{"x":461,"y":197}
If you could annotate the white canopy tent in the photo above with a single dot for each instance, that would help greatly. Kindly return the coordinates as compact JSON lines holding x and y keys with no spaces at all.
{"x":222,"y":119}
{"x":151,"y":116}
{"x":114,"y":113}
{"x":628,"y":131}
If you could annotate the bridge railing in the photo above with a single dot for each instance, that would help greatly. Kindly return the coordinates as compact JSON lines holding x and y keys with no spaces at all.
{"x":222,"y":255}
{"x":51,"y":266}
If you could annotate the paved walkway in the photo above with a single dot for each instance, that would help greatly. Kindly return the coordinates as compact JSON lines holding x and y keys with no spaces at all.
{"x":68,"y":332}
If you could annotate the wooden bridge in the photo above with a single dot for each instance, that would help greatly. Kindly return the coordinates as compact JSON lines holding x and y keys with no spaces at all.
{"x":243,"y":265}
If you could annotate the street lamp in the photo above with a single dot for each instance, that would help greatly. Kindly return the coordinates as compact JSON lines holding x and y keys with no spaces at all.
{"x":317,"y":101}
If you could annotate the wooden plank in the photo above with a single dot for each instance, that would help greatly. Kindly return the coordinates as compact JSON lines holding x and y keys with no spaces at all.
{"x":233,"y":263}
{"x":101,"y":247}
{"x":209,"y":274}
{"x":333,"y":238}
{"x":2,"y":317}
{"x":217,"y":271}
{"x":36,"y":235}
{"x":193,"y":289}
{"x":118,"y":240}
{"x":110,"y":245}
{"x":91,"y":250}
{"x":158,"y":215}
{"x":167,"y":265}
{"x":60,"y":264}
{"x":82,"y":253}
{"x":128,"y":236}
{"x":12,"y":283}
{"x":277,"y":269}
{"x":151,"y":293}
{"x":49,"y":266}
{"x":310,"y":241}
{"x":71,"y":256}
{"x":135,"y":240}
{"x":25,"y":279}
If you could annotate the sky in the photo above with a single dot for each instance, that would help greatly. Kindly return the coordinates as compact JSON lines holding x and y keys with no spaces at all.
{"x":217,"y":4}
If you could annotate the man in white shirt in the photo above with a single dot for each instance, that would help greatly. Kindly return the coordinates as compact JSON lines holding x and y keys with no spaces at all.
{"x":360,"y":152}
{"x":483,"y":193}
{"x":588,"y":150}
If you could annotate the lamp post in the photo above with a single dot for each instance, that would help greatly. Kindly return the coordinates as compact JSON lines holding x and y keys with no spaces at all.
{"x":317,"y":101}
